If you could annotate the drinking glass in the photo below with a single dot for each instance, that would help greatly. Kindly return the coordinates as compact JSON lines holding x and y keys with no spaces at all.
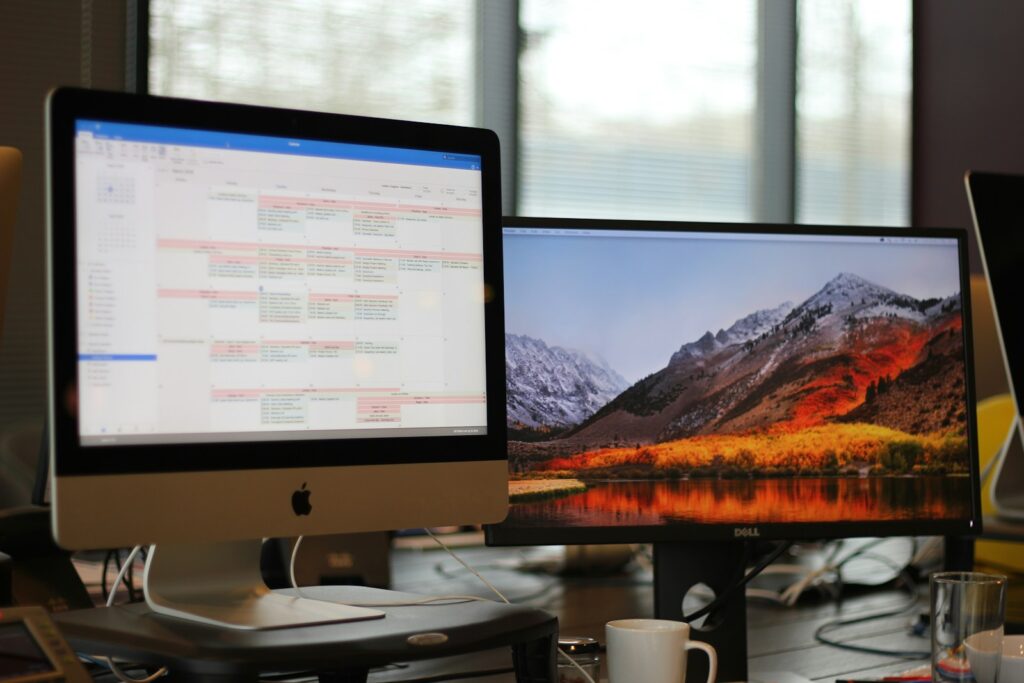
{"x":968,"y":609}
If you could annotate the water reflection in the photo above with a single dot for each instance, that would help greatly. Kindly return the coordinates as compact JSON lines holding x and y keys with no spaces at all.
{"x":756,"y":501}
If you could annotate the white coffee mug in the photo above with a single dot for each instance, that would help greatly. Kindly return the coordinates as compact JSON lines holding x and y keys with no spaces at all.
{"x":652,"y":651}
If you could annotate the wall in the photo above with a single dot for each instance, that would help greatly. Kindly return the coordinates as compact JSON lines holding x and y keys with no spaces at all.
{"x":43,"y":43}
{"x":968,"y":104}
{"x":969,"y":100}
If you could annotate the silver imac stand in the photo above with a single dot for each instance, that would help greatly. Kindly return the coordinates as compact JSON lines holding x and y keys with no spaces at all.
{"x":220,"y":584}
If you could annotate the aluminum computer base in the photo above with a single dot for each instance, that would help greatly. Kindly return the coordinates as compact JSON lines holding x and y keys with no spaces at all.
{"x":220,"y":584}
{"x":339,"y":653}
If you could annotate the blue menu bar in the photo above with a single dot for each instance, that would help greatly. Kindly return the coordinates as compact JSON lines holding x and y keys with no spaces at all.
{"x":191,"y":137}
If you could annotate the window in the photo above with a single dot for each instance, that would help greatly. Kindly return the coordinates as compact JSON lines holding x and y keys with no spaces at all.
{"x":412,"y":59}
{"x":641,"y":110}
{"x":623,"y":116}
{"x":853,"y":112}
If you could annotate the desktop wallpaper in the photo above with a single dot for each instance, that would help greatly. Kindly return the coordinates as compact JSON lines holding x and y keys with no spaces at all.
{"x":654,"y":381}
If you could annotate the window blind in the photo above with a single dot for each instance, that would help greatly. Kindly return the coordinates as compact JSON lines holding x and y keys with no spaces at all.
{"x":638,"y":110}
{"x":853,"y":112}
{"x":409,"y":59}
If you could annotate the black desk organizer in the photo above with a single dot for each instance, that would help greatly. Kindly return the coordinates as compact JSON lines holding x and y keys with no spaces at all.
{"x":338,"y":653}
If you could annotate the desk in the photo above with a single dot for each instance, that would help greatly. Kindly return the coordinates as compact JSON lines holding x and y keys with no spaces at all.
{"x":779,"y":639}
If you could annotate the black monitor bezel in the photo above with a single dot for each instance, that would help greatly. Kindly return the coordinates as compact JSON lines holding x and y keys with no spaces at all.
{"x":66,"y":105}
{"x":506,"y":534}
{"x":995,"y":203}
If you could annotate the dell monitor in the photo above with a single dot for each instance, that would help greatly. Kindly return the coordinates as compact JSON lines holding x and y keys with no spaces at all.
{"x":692,"y":385}
{"x":267,"y":323}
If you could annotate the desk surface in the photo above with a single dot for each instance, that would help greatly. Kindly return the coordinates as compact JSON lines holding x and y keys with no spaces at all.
{"x":779,"y":639}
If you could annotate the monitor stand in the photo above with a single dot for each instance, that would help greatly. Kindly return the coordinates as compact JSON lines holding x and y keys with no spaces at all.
{"x":678,"y":566}
{"x":221,"y":584}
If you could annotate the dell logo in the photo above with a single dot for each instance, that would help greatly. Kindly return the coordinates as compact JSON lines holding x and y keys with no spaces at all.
{"x":746,"y":532}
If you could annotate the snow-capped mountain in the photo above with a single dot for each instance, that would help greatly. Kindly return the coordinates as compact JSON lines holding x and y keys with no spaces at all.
{"x":800,"y":366}
{"x":549,"y":386}
{"x":851,"y":294}
{"x":847,"y":290}
{"x":746,"y":328}
{"x":950,"y":303}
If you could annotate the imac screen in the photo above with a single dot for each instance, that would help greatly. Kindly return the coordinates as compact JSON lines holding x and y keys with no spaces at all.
{"x":236,"y":287}
{"x":676,"y":376}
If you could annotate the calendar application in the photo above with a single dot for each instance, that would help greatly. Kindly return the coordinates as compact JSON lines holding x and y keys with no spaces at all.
{"x":239,"y":287}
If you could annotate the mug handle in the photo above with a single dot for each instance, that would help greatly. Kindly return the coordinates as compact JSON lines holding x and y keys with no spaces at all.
{"x":710,"y":652}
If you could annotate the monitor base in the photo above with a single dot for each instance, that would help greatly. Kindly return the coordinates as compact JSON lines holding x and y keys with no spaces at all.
{"x":220,"y":584}
{"x":678,"y":566}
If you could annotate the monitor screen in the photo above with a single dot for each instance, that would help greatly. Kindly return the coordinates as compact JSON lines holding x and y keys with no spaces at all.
{"x":675,"y":380}
{"x":236,"y":287}
{"x":286,"y":318}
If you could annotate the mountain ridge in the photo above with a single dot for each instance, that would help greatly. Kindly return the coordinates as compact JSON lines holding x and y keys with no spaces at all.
{"x":790,"y":365}
{"x":551,"y":387}
{"x":746,"y":328}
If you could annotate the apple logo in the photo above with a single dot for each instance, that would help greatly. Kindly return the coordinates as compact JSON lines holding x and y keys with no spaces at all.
{"x":300,"y":501}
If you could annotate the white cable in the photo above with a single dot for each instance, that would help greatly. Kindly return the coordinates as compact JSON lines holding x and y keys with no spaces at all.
{"x":470,"y":569}
{"x":428,"y":601}
{"x":442,"y":599}
{"x":833,"y":565}
{"x":795,"y":590}
{"x":291,"y":566}
{"x":122,"y":573}
{"x":503,"y":599}
{"x":114,"y":668}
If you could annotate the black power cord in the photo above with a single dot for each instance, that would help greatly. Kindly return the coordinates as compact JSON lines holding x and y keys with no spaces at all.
{"x":103,"y":573}
{"x":740,"y":584}
{"x":820,"y":634}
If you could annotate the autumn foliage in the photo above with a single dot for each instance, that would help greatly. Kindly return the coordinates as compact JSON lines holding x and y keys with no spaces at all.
{"x":822,"y":449}
{"x":844,"y":387}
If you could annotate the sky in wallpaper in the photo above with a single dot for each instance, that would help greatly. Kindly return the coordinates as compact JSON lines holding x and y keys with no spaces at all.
{"x":634,"y":301}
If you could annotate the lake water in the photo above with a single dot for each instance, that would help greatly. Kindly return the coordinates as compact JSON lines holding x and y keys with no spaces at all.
{"x":751,"y":501}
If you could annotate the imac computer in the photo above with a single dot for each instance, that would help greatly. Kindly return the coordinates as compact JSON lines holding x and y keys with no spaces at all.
{"x":701,"y":385}
{"x":998,"y":215}
{"x":267,"y":323}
